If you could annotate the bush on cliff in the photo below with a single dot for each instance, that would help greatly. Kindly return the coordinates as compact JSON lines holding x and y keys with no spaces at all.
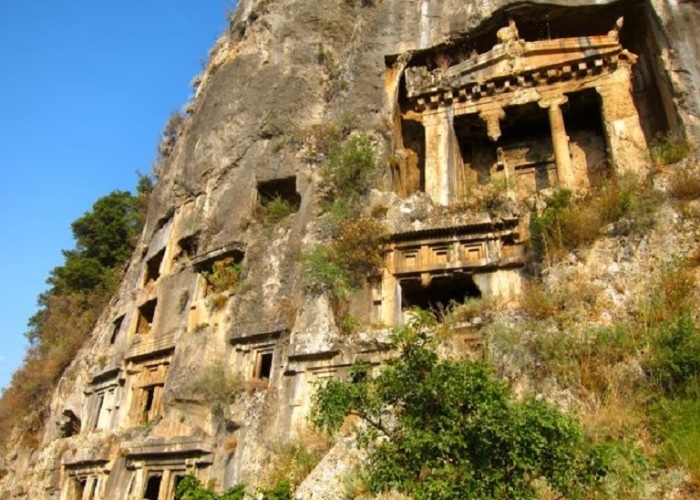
{"x":446,"y":429}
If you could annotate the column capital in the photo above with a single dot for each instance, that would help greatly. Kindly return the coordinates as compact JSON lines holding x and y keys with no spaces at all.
{"x":493,"y":118}
{"x":549,"y":102}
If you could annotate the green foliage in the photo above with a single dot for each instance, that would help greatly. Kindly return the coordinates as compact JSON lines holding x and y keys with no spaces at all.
{"x":281,"y":491}
{"x":567,"y":223}
{"x":224,"y":275}
{"x":323,"y":273}
{"x":345,"y":264}
{"x":275,"y":210}
{"x":104,"y":240}
{"x":216,"y":387}
{"x":190,"y":488}
{"x":80,"y":288}
{"x":350,"y":169}
{"x":678,"y":428}
{"x":669,"y":148}
{"x":450,"y":431}
{"x":171,"y":132}
{"x":675,"y":357}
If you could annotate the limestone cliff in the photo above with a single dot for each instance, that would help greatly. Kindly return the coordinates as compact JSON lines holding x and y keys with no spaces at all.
{"x":453,"y":98}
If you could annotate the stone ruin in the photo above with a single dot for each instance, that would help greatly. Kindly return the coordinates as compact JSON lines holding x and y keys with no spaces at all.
{"x":503,"y":105}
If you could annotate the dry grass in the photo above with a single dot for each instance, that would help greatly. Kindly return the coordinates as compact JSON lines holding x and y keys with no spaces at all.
{"x":628,"y":203}
{"x":685,"y":184}
{"x":294,"y":460}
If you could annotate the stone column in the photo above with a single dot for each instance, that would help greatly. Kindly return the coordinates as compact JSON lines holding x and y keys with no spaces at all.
{"x":627,"y":145}
{"x":441,"y":155}
{"x":560,"y":141}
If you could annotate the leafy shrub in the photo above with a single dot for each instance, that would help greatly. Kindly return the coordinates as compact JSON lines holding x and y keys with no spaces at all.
{"x":281,"y":491}
{"x":350,"y":169}
{"x":347,"y":262}
{"x":567,"y":223}
{"x":190,"y":488}
{"x":292,"y":461}
{"x":323,"y":273}
{"x":450,"y":431}
{"x":273,"y":211}
{"x":358,"y":248}
{"x":670,"y":294}
{"x":678,"y":427}
{"x":685,"y":184}
{"x":675,"y":357}
{"x":668,"y":148}
{"x":224,"y":275}
{"x":216,"y":387}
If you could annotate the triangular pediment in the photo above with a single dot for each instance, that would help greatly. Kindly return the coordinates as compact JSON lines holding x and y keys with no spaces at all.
{"x":517,"y":59}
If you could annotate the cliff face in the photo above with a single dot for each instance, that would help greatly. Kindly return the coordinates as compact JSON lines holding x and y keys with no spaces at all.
{"x":213,"y":301}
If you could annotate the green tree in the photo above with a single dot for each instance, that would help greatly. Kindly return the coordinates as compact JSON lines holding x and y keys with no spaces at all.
{"x":446,"y":429}
{"x":104,"y":239}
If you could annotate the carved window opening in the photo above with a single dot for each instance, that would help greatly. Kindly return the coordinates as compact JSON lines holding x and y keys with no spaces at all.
{"x":69,"y":424}
{"x":153,"y":485}
{"x":277,"y":199}
{"x":407,"y":165}
{"x":152,"y":402}
{"x":584,"y":125}
{"x":188,"y":247}
{"x":116,"y":328}
{"x":263,"y":365}
{"x":525,"y":159}
{"x":478,"y":154}
{"x":285,"y":189}
{"x":442,"y":293}
{"x":147,"y":313}
{"x":153,"y":266}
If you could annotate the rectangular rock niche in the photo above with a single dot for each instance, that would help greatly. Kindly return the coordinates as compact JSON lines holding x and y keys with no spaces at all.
{"x":153,"y":268}
{"x":146,"y":315}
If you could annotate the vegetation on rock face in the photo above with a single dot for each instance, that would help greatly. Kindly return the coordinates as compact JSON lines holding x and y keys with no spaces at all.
{"x":668,"y":148}
{"x":80,"y":288}
{"x":190,"y":488}
{"x":224,"y":274}
{"x":446,"y":429}
{"x":273,"y":211}
{"x":569,"y":223}
{"x":216,"y":387}
{"x":635,"y":377}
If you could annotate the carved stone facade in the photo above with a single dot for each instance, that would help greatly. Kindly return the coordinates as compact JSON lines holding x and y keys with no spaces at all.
{"x":471,"y":113}
{"x":525,"y":115}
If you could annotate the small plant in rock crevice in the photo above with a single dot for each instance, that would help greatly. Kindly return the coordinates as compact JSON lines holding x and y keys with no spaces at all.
{"x":350,"y":169}
{"x":224,"y":275}
{"x":273,"y":211}
{"x":669,"y":148}
{"x":216,"y":386}
{"x":344,"y":265}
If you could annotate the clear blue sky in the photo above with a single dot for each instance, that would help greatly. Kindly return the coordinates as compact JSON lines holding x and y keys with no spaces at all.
{"x":87,"y":86}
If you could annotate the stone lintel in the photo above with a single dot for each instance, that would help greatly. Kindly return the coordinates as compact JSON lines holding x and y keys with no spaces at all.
{"x":256,"y":332}
{"x":159,"y":346}
{"x":176,"y":447}
{"x":218,"y":252}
